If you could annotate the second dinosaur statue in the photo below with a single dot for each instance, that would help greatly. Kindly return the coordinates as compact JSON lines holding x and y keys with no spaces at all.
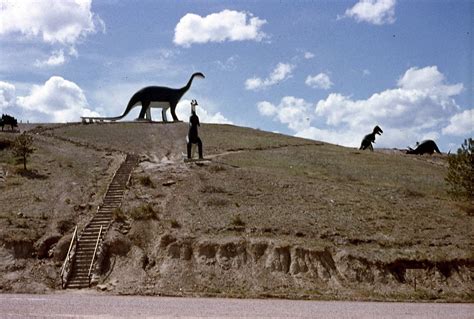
{"x":370,"y":138}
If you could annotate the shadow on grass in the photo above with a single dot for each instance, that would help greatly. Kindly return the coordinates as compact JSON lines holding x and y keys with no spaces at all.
{"x":31,"y":174}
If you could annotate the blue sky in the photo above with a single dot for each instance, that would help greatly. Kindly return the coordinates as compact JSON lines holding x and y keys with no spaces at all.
{"x":326,"y":70}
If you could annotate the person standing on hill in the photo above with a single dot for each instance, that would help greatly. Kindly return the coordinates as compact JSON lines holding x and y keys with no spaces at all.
{"x":193,"y":137}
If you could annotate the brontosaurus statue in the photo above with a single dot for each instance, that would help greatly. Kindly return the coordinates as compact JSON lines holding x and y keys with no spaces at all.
{"x":370,"y":138}
{"x":428,"y":146}
{"x":155,"y":96}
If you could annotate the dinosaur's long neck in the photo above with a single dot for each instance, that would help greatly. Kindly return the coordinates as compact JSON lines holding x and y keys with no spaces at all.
{"x":185,"y":88}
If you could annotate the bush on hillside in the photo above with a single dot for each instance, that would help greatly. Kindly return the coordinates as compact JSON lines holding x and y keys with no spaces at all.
{"x":23,"y":147}
{"x":460,"y":175}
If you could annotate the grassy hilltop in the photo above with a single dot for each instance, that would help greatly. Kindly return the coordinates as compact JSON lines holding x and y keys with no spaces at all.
{"x":268,"y":215}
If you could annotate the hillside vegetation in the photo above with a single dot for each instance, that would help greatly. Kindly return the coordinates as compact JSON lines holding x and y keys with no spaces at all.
{"x":267,"y":216}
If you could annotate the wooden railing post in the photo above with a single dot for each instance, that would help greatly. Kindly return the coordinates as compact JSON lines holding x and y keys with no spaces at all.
{"x":67,"y":260}
{"x":93,"y":256}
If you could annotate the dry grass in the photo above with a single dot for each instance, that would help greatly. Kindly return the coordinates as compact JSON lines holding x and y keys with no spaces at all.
{"x":379,"y":205}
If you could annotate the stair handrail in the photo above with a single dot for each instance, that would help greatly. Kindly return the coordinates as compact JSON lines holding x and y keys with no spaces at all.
{"x":93,"y":256}
{"x":67,"y":260}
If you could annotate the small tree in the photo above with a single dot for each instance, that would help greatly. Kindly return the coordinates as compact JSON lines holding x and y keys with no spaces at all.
{"x":23,"y":147}
{"x":460,"y":175}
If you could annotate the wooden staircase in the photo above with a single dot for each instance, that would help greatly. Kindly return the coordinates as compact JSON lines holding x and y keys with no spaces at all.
{"x":87,"y":242}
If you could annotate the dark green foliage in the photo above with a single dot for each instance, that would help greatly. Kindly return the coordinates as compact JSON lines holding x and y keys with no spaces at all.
{"x":4,"y":144}
{"x":23,"y":147}
{"x":146,"y":181}
{"x":237,"y":221}
{"x":460,"y":175}
{"x":144,"y":212}
{"x":175,"y":224}
{"x":119,"y":216}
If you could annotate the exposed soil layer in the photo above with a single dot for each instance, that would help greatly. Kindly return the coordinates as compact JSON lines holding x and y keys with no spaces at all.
{"x":265,"y":215}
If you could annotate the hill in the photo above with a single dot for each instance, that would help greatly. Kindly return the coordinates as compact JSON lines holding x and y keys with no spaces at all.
{"x":268,"y":216}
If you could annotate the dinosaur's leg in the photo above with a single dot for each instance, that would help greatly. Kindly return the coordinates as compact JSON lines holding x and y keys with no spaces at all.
{"x":173,"y":114}
{"x":148,"y":114}
{"x":145,"y":107}
{"x":163,"y":114}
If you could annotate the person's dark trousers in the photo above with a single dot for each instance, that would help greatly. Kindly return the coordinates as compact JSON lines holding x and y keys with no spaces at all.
{"x":199,"y":143}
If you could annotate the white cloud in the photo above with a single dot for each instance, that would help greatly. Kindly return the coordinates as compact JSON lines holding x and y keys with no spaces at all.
{"x":296,"y":113}
{"x":56,"y":58}
{"x":266,"y":108}
{"x":62,"y":22}
{"x":281,"y":72}
{"x":7,"y":95}
{"x":376,"y":12}
{"x":57,"y":100}
{"x":58,"y":23}
{"x":227,"y":25}
{"x":183,"y":111}
{"x":308,"y":55}
{"x":418,"y":109}
{"x":320,"y":81}
{"x":414,"y":103}
{"x":461,"y":124}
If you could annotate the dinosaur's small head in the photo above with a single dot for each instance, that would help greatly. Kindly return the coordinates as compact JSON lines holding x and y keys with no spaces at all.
{"x":378,"y":130}
{"x":199,"y":74}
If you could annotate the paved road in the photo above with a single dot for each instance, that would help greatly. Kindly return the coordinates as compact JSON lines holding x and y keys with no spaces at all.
{"x":93,"y":305}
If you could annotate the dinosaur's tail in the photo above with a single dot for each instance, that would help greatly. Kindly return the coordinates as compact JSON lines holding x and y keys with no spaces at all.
{"x":130,"y":105}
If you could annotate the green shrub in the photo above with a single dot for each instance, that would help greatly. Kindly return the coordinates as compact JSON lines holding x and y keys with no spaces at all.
{"x":175,"y":224}
{"x":4,"y":144}
{"x":144,"y":212}
{"x":146,"y":181}
{"x":237,"y":221}
{"x":460,"y":175}
{"x":118,"y":215}
{"x":23,"y":147}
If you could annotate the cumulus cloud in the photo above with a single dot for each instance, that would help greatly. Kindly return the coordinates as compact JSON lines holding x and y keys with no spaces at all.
{"x":281,"y":72}
{"x":376,"y":12}
{"x":7,"y":95}
{"x":62,"y":22}
{"x":320,"y":81}
{"x":57,"y":100}
{"x":227,"y":25}
{"x":183,"y":111}
{"x":308,"y":55}
{"x":56,"y":58}
{"x":417,"y":109}
{"x":461,"y":124}
{"x":296,"y":113}
{"x":59,"y":23}
{"x":423,"y":99}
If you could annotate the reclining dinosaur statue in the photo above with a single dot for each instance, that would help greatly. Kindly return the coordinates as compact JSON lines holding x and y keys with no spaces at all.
{"x":370,"y":138}
{"x":427,"y":146}
{"x":154,"y":96}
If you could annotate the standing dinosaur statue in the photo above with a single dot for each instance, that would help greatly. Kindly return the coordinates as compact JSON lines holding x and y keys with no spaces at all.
{"x":154,"y":96}
{"x":428,"y":146}
{"x":370,"y":138}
